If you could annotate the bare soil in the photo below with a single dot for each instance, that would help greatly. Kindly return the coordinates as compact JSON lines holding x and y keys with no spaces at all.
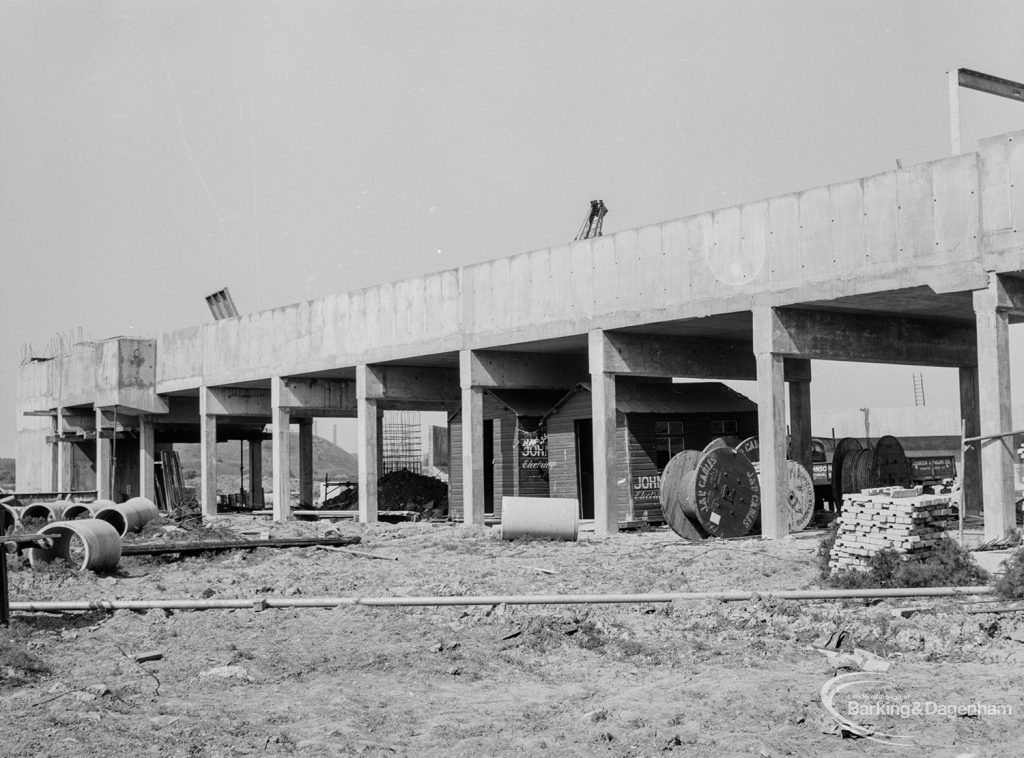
{"x":705,"y":678}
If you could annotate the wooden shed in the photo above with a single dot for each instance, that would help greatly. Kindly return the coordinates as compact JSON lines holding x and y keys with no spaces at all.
{"x":655,"y":419}
{"x":515,"y":448}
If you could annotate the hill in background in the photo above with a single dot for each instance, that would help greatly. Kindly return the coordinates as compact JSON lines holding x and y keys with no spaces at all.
{"x":329,"y":460}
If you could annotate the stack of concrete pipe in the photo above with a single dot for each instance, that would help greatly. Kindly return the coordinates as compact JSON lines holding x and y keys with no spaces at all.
{"x":86,"y":535}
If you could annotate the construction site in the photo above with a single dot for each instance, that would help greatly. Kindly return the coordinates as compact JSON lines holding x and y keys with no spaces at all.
{"x":603,"y":548}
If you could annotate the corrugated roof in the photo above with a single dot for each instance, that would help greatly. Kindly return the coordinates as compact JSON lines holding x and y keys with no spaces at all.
{"x":633,"y":396}
{"x":528,"y":402}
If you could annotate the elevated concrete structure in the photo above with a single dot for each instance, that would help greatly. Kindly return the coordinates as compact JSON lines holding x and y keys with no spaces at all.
{"x":920,"y":265}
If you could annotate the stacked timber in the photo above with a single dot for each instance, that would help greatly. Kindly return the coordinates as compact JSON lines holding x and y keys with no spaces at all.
{"x":891,"y":518}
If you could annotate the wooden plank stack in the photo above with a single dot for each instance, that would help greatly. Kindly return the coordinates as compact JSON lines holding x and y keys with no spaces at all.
{"x":904,"y":520}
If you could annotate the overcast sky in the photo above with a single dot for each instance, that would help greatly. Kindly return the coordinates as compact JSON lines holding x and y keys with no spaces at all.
{"x":153,"y":152}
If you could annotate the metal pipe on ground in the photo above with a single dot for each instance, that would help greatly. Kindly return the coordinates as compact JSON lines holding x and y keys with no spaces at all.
{"x":457,"y":600}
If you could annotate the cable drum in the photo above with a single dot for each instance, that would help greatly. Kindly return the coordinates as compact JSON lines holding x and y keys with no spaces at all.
{"x":886,"y":465}
{"x":890,"y":466}
{"x":671,"y":495}
{"x":845,"y":446}
{"x":801,"y":496}
{"x":722,"y":495}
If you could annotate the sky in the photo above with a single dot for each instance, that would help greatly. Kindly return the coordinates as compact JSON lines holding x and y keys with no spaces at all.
{"x":154,"y":152}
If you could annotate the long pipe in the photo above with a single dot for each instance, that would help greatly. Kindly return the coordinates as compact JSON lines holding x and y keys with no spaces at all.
{"x":332,"y":602}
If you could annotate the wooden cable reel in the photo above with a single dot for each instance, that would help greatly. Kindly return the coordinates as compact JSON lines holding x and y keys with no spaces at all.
{"x":671,"y":495}
{"x":799,"y":485}
{"x":885,"y":465}
{"x":720,"y":495}
{"x":843,"y":447}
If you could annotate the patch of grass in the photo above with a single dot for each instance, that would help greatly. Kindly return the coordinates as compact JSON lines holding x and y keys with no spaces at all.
{"x":948,"y":565}
{"x":1010,"y":585}
{"x":17,"y":664}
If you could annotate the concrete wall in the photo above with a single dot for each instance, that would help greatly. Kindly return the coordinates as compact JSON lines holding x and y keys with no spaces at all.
{"x":921,"y":225}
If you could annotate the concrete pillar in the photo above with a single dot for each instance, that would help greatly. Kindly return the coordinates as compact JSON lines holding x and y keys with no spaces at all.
{"x":306,"y":462}
{"x":207,"y":455}
{"x":104,"y":467}
{"x":65,"y":458}
{"x":997,"y":455}
{"x":970,"y":464}
{"x":368,"y":440}
{"x":771,"y":426}
{"x":256,"y":473}
{"x":147,"y":455}
{"x":800,"y":421}
{"x":602,"y":399}
{"x":472,"y":443}
{"x":281,"y":421}
{"x":473,"y":503}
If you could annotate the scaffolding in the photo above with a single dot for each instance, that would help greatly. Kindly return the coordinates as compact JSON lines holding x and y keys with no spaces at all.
{"x":401,"y":447}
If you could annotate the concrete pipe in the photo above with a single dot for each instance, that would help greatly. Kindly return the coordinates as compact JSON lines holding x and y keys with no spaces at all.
{"x":85,"y":510}
{"x":53,"y":511}
{"x":130,"y":516}
{"x":87,"y":544}
{"x":9,"y":518}
{"x":551,"y":518}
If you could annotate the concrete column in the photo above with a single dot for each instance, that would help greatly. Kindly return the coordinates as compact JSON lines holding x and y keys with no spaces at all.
{"x":997,"y":455}
{"x":472,"y":442}
{"x":147,"y":455}
{"x":800,"y":421}
{"x":602,"y":399}
{"x":256,"y":473}
{"x":104,"y":467}
{"x":368,"y":436}
{"x":65,"y":458}
{"x":281,"y":420}
{"x":306,"y":462}
{"x":207,"y":455}
{"x":970,"y":464}
{"x":472,"y":455}
{"x":771,"y":426}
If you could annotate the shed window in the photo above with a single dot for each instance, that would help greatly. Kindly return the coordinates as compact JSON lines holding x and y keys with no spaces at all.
{"x":668,"y":440}
{"x":723,"y":427}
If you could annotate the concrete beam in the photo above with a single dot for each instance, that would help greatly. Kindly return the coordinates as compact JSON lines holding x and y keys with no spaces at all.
{"x":691,"y":357}
{"x":207,"y":454}
{"x":238,"y":401}
{"x":520,"y":370}
{"x":771,"y":427}
{"x":317,"y":397}
{"x":602,"y":398}
{"x":281,"y":442}
{"x":472,"y":444}
{"x":835,"y":336}
{"x":997,"y":454}
{"x":368,"y":440}
{"x":413,"y":387}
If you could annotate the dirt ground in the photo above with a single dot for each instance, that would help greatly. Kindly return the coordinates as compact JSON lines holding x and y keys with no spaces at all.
{"x":695,"y":678}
